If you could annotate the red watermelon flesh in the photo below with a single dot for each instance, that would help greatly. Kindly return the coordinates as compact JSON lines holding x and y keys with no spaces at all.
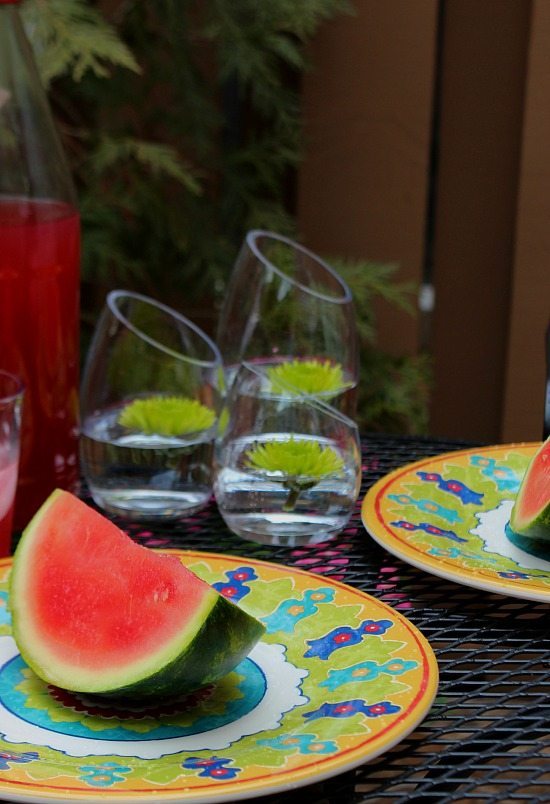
{"x":530,"y":515}
{"x":103,"y":619}
{"x":95,"y":612}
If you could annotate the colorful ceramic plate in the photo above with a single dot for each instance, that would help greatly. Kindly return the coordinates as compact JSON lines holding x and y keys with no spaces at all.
{"x":338,"y":678}
{"x":449,"y":515}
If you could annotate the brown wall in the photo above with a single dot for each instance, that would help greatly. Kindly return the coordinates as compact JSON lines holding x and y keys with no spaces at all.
{"x":367,"y":111}
{"x":530,"y":299}
{"x":482,"y":82}
{"x":369,"y":107}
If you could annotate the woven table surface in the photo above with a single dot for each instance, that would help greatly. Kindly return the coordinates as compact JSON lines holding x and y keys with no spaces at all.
{"x":487,"y":736}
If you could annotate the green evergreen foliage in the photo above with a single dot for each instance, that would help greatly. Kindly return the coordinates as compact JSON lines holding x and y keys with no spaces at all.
{"x":181,"y":119}
{"x":71,"y":36}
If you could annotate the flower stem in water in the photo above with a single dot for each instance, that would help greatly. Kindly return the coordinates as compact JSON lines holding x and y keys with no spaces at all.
{"x":295,"y":488}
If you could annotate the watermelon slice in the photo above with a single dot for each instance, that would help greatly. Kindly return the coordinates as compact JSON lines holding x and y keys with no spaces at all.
{"x":94,"y":612}
{"x":530,"y":517}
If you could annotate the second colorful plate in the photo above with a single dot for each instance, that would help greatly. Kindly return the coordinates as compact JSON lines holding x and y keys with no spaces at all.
{"x":449,"y":515}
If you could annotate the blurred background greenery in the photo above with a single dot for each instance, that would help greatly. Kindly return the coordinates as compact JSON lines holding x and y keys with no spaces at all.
{"x":181,"y":121}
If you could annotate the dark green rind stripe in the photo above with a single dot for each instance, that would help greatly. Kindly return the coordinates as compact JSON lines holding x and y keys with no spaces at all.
{"x":536,"y":547}
{"x":534,"y":536}
{"x":226,"y":637}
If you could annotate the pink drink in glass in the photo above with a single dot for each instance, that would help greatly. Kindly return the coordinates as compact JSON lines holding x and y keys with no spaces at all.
{"x":11,"y":397}
{"x":8,"y":482}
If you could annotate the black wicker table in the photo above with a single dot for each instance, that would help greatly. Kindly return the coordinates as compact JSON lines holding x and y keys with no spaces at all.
{"x":487,"y":736}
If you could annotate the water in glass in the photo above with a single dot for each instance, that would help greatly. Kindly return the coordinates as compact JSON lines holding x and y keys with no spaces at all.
{"x":139,"y":475}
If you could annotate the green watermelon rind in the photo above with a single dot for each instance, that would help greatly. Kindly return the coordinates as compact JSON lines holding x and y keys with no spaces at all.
{"x":205,"y":659}
{"x":195,"y":657}
{"x":537,"y":527}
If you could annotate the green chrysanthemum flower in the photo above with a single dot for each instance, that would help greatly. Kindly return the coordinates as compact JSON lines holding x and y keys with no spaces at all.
{"x":308,"y":376}
{"x":301,"y":464}
{"x":167,"y":415}
{"x":293,"y":458}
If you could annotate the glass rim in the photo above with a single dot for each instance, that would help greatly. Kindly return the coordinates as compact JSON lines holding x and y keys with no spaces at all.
{"x":114,"y":295}
{"x":254,"y":234}
{"x":312,"y":399}
{"x":18,"y":387}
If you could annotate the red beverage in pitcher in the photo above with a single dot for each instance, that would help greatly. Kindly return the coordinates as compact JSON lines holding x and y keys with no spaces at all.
{"x":39,"y":340}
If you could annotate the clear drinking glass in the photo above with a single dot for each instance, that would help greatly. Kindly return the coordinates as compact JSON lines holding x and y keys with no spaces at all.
{"x":11,"y":398}
{"x":288,"y":310}
{"x":150,"y":401}
{"x":288,"y":466}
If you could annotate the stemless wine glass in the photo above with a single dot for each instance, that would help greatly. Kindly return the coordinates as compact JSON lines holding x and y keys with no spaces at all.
{"x":150,"y":401}
{"x":288,"y":309}
{"x":11,"y":398}
{"x":288,"y":466}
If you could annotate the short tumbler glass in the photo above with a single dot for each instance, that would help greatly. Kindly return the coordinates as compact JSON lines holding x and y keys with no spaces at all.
{"x":150,"y":402}
{"x":288,"y":466}
{"x":11,"y":399}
